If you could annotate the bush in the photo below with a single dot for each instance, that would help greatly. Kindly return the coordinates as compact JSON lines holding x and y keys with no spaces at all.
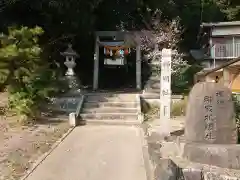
{"x":29,"y":78}
{"x":152,"y":111}
{"x":22,"y":105}
{"x":27,"y":100}
{"x":179,"y":108}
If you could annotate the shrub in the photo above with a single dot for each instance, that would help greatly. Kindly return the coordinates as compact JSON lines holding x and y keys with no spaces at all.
{"x":29,"y":78}
{"x":26,"y":101}
{"x":22,"y":105}
{"x":152,"y":111}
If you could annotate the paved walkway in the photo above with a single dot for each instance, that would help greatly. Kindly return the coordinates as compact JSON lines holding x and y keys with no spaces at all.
{"x":95,"y":153}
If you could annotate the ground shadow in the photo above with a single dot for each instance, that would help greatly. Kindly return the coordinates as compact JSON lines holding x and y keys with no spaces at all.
{"x":44,"y":121}
{"x":51,"y":117}
{"x":179,"y":132}
{"x":2,"y":111}
{"x":81,"y":122}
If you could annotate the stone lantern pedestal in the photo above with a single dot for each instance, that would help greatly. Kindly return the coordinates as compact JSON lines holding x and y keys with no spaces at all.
{"x":70,"y":65}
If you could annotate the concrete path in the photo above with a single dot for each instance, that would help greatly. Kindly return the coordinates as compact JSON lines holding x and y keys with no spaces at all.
{"x":95,"y":153}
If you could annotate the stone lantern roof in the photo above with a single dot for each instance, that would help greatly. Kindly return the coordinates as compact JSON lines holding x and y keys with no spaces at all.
{"x":70,"y":52}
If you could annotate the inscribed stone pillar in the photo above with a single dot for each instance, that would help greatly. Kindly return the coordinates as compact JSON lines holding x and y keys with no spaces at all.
{"x":138,"y":67}
{"x":96,"y":65}
{"x":210,"y":115}
{"x":165,"y":93}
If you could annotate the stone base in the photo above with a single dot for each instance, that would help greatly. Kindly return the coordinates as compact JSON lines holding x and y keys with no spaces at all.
{"x":195,"y":171}
{"x":175,"y":159}
{"x":169,"y":165}
{"x":225,"y":156}
{"x":179,"y":169}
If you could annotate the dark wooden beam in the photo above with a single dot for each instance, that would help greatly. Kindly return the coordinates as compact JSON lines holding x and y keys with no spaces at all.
{"x":207,"y":72}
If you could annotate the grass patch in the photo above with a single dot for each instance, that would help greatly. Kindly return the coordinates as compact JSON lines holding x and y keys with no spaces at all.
{"x":152,"y":111}
{"x":179,"y":108}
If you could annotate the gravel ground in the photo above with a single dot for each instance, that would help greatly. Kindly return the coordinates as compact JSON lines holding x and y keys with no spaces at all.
{"x":20,"y":146}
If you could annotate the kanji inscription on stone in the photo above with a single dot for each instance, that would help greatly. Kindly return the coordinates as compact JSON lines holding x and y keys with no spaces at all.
{"x":210,"y":114}
{"x":209,"y":119}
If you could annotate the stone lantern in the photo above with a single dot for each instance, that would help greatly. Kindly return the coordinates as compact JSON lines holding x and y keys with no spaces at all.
{"x":70,"y":56}
{"x":70,"y":63}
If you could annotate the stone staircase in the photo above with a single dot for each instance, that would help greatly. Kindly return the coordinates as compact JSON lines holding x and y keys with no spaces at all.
{"x":111,"y":108}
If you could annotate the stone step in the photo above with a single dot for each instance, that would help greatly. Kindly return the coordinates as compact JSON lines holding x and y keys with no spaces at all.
{"x":153,"y":91}
{"x":109,"y":104}
{"x":154,"y":78}
{"x":109,"y":110}
{"x":110,"y":99}
{"x":111,"y":122}
{"x":153,"y":83}
{"x":155,"y":95}
{"x":151,"y":95}
{"x":109,"y":116}
{"x":113,"y":91}
{"x":130,"y":95}
{"x":152,"y":88}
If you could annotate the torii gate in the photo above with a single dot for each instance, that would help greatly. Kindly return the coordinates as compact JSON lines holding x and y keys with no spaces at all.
{"x":129,"y":40}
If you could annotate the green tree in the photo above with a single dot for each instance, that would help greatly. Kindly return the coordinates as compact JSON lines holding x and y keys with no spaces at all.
{"x":20,"y":55}
{"x":76,"y":21}
{"x":230,"y":8}
{"x":26,"y":74}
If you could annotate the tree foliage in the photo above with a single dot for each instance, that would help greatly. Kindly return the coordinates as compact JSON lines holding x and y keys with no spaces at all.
{"x":26,"y":75}
{"x":173,"y":23}
{"x":20,"y":54}
{"x":62,"y":19}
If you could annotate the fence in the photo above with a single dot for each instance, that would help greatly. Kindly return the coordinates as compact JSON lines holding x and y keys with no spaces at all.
{"x":231,"y":50}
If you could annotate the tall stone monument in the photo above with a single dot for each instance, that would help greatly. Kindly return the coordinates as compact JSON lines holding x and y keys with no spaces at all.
{"x":210,"y":128}
{"x":210,"y":115}
{"x":165,"y":93}
{"x":162,"y":126}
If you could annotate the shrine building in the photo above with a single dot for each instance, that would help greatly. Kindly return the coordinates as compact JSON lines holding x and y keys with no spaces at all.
{"x":116,"y":52}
